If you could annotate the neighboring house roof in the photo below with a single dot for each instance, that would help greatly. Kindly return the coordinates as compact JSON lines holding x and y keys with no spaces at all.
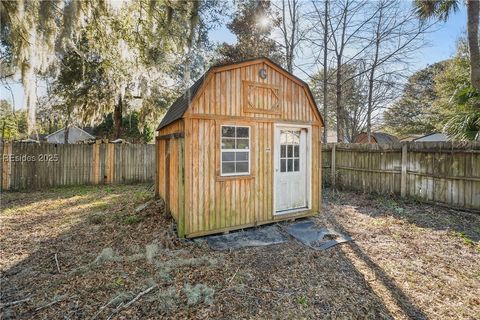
{"x":41,"y":136}
{"x":410,"y":137}
{"x":75,"y":134}
{"x":88,"y":130}
{"x":382,"y":137}
{"x":378,"y":137}
{"x":436,"y":136}
{"x":180,"y":106}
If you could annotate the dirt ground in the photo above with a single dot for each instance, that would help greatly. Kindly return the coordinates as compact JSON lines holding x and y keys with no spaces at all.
{"x":84,"y":252}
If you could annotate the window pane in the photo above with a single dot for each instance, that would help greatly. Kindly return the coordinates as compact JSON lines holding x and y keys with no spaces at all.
{"x":242,"y":167}
{"x":242,"y":156}
{"x":228,"y":167}
{"x":290,"y":165}
{"x":283,"y":151}
{"x":242,"y":144}
{"x":296,"y":165}
{"x":228,"y":156}
{"x":283,"y":165}
{"x":296,"y":150}
{"x":295,"y":137}
{"x":290,"y":151}
{"x":289,"y":137}
{"x":228,"y":143}
{"x":228,"y":132}
{"x":242,"y":132}
{"x":283,"y":136}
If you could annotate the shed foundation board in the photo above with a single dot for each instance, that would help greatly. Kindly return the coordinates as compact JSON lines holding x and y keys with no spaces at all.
{"x":276,"y":218}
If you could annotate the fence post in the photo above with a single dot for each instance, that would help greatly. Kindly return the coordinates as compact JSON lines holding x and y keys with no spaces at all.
{"x":332,"y":166}
{"x":403,"y":181}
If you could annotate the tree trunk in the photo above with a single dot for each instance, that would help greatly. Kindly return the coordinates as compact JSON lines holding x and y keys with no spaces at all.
{"x":117,"y":117}
{"x":325,"y":74}
{"x":371,"y":77}
{"x":370,"y":100}
{"x":473,"y":12}
{"x":66,"y":132}
{"x":289,"y":40}
{"x":338,"y":103}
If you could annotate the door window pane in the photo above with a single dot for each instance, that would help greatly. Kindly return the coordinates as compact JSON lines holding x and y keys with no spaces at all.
{"x":296,"y":165}
{"x":289,"y":150}
{"x":290,"y":165}
{"x":283,"y":165}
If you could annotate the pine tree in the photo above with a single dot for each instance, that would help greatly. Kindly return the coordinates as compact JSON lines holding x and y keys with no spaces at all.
{"x":253,"y":23}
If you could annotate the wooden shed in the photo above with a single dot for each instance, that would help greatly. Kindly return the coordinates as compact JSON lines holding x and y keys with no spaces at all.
{"x":240,"y":148}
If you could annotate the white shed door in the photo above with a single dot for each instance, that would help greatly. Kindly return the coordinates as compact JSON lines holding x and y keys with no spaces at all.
{"x":290,"y":169}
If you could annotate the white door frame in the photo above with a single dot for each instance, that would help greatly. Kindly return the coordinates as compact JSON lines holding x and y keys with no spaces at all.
{"x":308,"y":171}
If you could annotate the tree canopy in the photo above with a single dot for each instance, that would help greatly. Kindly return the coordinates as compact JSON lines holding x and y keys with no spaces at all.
{"x":252,"y":24}
{"x":99,"y":56}
{"x":439,"y":98}
{"x":414,"y":112}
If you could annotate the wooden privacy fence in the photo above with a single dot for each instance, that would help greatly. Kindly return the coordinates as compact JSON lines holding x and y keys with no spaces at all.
{"x":445,"y":172}
{"x":35,"y":166}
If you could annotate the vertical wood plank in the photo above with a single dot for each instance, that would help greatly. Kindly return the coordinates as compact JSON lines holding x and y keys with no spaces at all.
{"x":181,"y":189}
{"x":403,"y":183}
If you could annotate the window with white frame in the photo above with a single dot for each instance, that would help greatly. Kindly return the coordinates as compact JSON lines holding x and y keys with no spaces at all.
{"x":235,"y":150}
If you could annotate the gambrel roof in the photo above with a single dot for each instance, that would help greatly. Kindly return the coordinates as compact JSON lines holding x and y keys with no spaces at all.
{"x":180,"y":106}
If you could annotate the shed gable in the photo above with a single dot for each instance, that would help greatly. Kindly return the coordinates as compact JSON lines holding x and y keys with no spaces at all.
{"x":256,"y":88}
{"x":260,"y":98}
{"x":238,"y":90}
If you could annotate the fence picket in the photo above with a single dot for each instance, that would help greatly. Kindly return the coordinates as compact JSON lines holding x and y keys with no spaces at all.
{"x":440,"y":172}
{"x":75,"y":165}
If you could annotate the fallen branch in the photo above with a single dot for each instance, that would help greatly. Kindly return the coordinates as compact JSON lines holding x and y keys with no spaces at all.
{"x":51,"y":303}
{"x":56,"y":261}
{"x":230,"y":280}
{"x":103,"y":307}
{"x":9,"y":304}
{"x":117,"y":310}
{"x":122,"y":306}
{"x":139,"y":296}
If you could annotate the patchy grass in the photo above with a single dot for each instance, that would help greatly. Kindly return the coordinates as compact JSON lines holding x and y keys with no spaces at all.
{"x":465,"y":238}
{"x":409,"y":260}
{"x":132,"y":219}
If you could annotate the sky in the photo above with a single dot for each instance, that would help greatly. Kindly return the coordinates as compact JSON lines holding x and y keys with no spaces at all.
{"x":441,"y":46}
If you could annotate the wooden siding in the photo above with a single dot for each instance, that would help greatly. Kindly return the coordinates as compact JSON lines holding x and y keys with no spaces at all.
{"x":223,"y":95}
{"x":39,"y":166}
{"x":169,"y":159}
{"x":439,"y":172}
{"x":216,"y":204}
{"x":174,"y":127}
